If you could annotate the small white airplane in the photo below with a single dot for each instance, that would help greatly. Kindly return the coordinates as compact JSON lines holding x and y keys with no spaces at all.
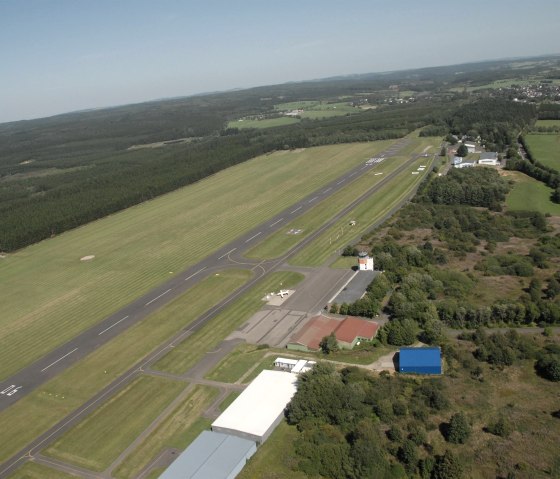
{"x":283,"y":293}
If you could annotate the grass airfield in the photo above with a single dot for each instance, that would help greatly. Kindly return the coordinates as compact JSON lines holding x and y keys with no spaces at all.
{"x":49,"y":295}
{"x":296,"y":174}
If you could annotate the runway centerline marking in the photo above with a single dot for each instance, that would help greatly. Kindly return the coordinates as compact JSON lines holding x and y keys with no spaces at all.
{"x":202,"y":269}
{"x":276,"y":222}
{"x":59,"y":359}
{"x":253,"y":237}
{"x":328,"y":189}
{"x":157,"y":297}
{"x":313,"y":199}
{"x":297,"y":209}
{"x":340,"y":182}
{"x":112,"y":325}
{"x":351,"y":174}
{"x":223,"y":256}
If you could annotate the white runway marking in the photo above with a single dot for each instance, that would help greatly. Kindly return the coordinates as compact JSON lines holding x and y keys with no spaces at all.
{"x":253,"y":237}
{"x":328,"y":189}
{"x":313,"y":199}
{"x":340,"y":182}
{"x":59,"y":359}
{"x":157,"y":297}
{"x":297,"y":209}
{"x":112,"y":325}
{"x":225,"y":254}
{"x":276,"y":222}
{"x":351,"y":174}
{"x":202,"y":269}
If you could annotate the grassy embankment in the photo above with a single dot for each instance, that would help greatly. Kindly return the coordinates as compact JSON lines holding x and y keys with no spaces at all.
{"x":141,"y":247}
{"x":54,"y":400}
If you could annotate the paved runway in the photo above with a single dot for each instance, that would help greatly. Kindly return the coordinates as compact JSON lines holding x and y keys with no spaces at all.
{"x":31,"y":377}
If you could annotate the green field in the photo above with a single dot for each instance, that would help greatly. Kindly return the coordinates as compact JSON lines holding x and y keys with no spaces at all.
{"x":529,"y":193}
{"x":546,"y":123}
{"x":98,"y":440}
{"x":281,"y":242}
{"x":236,"y":364}
{"x":545,"y":149}
{"x":228,"y":400}
{"x":41,"y":409}
{"x":318,"y":109}
{"x":32,"y":470}
{"x":264,"y":123}
{"x":178,"y":430}
{"x":192,"y":349}
{"x":143,"y":246}
{"x":365,"y":214}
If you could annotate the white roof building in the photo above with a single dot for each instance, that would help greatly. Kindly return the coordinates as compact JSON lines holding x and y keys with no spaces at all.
{"x":258,"y":409}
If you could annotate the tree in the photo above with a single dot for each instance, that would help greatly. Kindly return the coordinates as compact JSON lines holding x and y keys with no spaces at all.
{"x":408,"y":455}
{"x":400,"y":332}
{"x":459,"y":429}
{"x":502,"y":427}
{"x":462,"y":151}
{"x":443,"y":151}
{"x":329,"y":344}
{"x":549,"y":367}
{"x":447,"y":467}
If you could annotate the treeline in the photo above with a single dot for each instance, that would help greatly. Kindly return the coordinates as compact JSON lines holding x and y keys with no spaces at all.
{"x":92,"y":180}
{"x":496,"y":121}
{"x":474,"y":187}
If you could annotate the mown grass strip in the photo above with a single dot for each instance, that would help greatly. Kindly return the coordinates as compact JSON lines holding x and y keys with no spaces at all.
{"x":32,"y":470}
{"x":97,"y":441}
{"x":35,"y":413}
{"x":178,"y":430}
{"x":236,"y":364}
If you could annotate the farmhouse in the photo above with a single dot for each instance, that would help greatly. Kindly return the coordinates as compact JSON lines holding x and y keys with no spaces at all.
{"x":258,"y":409}
{"x":471,"y":147}
{"x":349,"y":332}
{"x":420,"y":360}
{"x":212,"y":454}
{"x":457,"y":160}
{"x":489,"y":158}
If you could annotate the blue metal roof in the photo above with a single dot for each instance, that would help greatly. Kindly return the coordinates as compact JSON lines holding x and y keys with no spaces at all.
{"x":420,"y":360}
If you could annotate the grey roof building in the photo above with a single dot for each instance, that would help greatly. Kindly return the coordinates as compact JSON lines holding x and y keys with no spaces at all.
{"x":212,"y":455}
{"x":489,"y":155}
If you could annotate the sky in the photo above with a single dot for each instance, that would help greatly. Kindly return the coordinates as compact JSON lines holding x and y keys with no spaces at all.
{"x":65,"y":55}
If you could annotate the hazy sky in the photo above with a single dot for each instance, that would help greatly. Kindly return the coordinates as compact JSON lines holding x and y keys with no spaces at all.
{"x":63,"y":55}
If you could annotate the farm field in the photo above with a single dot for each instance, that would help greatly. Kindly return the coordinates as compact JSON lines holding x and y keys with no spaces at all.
{"x":192,"y":349}
{"x":139,"y":248}
{"x":530,"y":193}
{"x":98,"y":440}
{"x":178,"y":430}
{"x":318,"y":109}
{"x":365,"y":214}
{"x":264,"y":123}
{"x":545,"y":149}
{"x":41,"y":409}
{"x":546,"y":123}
